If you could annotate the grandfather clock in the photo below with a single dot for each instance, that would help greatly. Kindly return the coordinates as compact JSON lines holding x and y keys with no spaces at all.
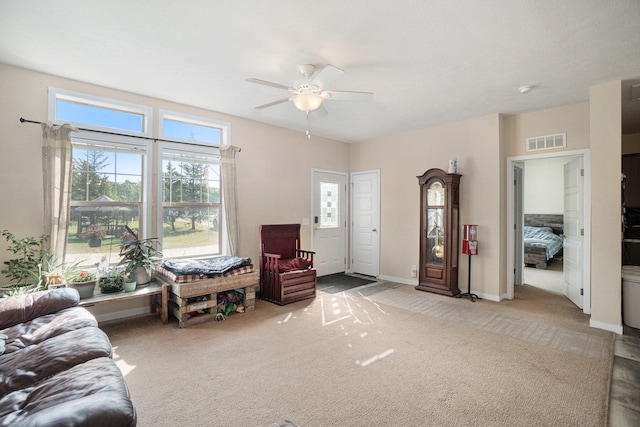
{"x":439,"y":225}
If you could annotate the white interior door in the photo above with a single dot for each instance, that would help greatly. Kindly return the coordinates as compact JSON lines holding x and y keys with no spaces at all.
{"x":329,"y":222}
{"x":365,"y":223}
{"x":573,"y":231}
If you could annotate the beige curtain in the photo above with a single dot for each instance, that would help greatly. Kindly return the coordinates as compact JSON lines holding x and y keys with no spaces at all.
{"x":230,"y":197}
{"x":56,"y":165}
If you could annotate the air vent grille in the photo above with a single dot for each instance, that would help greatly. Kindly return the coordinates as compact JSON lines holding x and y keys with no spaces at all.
{"x":547,"y":142}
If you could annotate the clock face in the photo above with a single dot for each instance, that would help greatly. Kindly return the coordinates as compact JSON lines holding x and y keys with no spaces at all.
{"x":435,"y":194}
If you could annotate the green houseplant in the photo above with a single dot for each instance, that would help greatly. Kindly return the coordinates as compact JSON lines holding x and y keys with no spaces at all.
{"x":84,"y":282}
{"x":31,"y":252}
{"x":139,"y":256}
{"x":23,"y":271}
{"x":112,"y":281}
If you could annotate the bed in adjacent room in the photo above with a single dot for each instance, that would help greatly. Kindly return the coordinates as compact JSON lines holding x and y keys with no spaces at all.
{"x":542,"y":239}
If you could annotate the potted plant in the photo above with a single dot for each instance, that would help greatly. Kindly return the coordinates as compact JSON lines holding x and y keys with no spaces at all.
{"x":84,"y":282}
{"x":95,"y":233}
{"x":129,"y":284}
{"x":53,"y":274}
{"x":139,"y":256}
{"x":112,"y":281}
{"x":23,"y":271}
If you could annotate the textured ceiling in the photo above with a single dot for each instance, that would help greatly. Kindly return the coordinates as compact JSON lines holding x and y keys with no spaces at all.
{"x":428,"y":62}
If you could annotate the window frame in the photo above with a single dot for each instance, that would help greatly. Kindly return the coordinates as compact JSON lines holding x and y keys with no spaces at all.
{"x":151,"y":204}
{"x":223,"y":127}
{"x":146,"y":112}
{"x":164,"y":146}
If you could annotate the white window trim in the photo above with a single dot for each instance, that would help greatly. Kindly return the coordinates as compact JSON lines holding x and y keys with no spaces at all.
{"x":225,"y":128}
{"x":89,"y":139}
{"x":68,"y":95}
{"x":191,"y":148}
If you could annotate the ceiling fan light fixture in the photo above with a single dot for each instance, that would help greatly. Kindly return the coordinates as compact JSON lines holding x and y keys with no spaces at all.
{"x":307,"y":101}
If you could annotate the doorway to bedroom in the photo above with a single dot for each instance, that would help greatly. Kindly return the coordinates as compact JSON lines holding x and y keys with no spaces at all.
{"x":550,"y":239}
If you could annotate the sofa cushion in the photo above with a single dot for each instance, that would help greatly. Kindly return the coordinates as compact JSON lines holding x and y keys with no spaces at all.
{"x":89,"y":394}
{"x":45,"y":327}
{"x":22,"y":308}
{"x":29,"y":365}
{"x":292,"y":264}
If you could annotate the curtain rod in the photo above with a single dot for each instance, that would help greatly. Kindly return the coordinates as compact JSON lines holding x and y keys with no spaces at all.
{"x":23,"y":120}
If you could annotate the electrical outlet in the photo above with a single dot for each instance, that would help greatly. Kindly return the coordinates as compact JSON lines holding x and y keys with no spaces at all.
{"x":414,"y":271}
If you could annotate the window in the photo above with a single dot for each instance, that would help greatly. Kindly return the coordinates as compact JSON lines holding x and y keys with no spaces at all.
{"x":96,"y":113}
{"x":111,"y":184}
{"x":106,"y":194}
{"x":329,"y":199}
{"x":190,"y":202}
{"x":185,"y":128}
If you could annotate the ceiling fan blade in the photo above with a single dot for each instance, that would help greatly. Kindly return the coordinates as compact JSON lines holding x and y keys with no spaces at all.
{"x":266,"y":83}
{"x":341,"y":95}
{"x":271,"y":104}
{"x":328,"y":74}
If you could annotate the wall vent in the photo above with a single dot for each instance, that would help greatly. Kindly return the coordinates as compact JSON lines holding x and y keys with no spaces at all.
{"x":546,"y":142}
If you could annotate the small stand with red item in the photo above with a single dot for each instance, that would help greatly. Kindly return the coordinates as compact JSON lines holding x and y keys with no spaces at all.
{"x":469,"y":247}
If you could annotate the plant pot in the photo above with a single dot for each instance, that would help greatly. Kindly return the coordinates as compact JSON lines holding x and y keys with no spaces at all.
{"x":108,"y":286}
{"x":141,"y":275}
{"x":53,"y":280}
{"x":85,"y":289}
{"x":129,"y":286}
{"x":95,"y":242}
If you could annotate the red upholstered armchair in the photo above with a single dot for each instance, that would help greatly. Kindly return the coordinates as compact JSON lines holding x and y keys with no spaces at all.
{"x":286,"y":271}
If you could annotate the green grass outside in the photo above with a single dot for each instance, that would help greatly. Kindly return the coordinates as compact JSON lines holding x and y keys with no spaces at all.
{"x":182,"y":237}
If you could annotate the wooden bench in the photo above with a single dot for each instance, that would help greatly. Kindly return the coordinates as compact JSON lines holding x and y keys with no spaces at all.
{"x":207,"y":290}
{"x":159,"y":293}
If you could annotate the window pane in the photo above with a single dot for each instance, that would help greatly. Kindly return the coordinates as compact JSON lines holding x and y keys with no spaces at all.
{"x":190,"y":180}
{"x":96,"y":231}
{"x":190,"y":131}
{"x":329,"y":217}
{"x":190,"y":231}
{"x":106,"y":176}
{"x":99,"y":116}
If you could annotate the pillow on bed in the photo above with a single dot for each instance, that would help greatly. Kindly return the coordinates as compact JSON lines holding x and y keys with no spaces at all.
{"x":292,"y":264}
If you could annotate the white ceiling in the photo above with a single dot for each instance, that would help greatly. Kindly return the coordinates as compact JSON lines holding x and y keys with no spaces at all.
{"x":428,"y":62}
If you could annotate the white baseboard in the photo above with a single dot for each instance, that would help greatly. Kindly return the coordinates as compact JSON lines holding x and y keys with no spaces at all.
{"x":116,"y":315}
{"x":606,"y":326}
{"x":488,"y":297}
{"x":412,"y":282}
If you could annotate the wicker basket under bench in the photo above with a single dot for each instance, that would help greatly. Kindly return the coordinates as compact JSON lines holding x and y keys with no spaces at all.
{"x":180,"y":293}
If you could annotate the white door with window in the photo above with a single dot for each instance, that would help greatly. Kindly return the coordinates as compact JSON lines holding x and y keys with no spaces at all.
{"x":329,"y":221}
{"x":573,"y":232}
{"x":365,"y":224}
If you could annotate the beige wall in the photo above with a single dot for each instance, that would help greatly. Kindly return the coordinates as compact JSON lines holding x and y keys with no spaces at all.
{"x":606,"y":252}
{"x":274,"y":176}
{"x":273,"y":167}
{"x":572,"y":119}
{"x":403,"y":157}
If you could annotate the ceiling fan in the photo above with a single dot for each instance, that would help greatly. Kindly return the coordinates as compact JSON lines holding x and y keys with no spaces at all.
{"x":310,"y":92}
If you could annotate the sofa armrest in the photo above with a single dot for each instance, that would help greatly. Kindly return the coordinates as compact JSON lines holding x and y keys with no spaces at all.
{"x":22,"y":308}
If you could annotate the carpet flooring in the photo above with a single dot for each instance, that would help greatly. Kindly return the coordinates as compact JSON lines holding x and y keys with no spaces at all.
{"x":380,"y":354}
{"x":340,"y":282}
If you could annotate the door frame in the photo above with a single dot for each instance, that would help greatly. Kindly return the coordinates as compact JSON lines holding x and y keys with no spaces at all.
{"x":345,"y":201}
{"x":586,"y":260}
{"x":351,"y":213}
{"x":518,"y":209}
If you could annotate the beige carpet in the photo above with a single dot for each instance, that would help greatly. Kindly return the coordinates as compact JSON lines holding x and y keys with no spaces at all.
{"x":379,"y":355}
{"x":551,"y":278}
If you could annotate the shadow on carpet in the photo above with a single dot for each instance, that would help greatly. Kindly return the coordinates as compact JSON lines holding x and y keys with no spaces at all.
{"x":340,"y":282}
